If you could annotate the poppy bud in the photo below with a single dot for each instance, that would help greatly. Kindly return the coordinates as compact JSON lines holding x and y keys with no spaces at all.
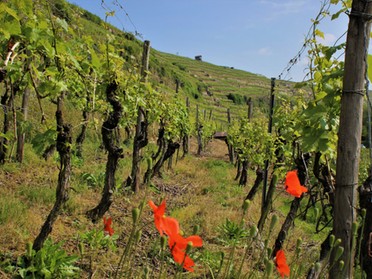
{"x":149,"y":163}
{"x":137,"y":236}
{"x":363,"y":213}
{"x":341,"y":265}
{"x":196,"y":229}
{"x":332,"y":240}
{"x":269,"y":268}
{"x":81,"y":248}
{"x":135,"y":215}
{"x":354,"y":228}
{"x":189,"y":247}
{"x":146,"y":272}
{"x":339,"y":252}
{"x":29,"y":250}
{"x":246,"y":205}
{"x":274,"y":221}
{"x":298,"y":245}
{"x":163,"y":242}
{"x":317,"y":267}
{"x":253,"y":231}
{"x":337,"y":242}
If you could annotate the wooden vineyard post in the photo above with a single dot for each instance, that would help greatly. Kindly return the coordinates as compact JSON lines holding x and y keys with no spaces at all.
{"x":177,"y":85}
{"x":229,"y":146}
{"x":250,"y":108}
{"x":270,"y":127}
{"x":21,"y":134}
{"x":185,"y":139}
{"x":199,"y":130}
{"x":349,"y":135}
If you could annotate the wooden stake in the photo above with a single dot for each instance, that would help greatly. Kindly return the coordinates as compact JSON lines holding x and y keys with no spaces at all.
{"x":349,"y":135}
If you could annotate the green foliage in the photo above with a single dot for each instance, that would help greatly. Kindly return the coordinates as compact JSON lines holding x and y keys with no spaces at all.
{"x":213,"y":260}
{"x":60,"y":9}
{"x":92,"y":17}
{"x":42,"y":140}
{"x":51,"y":261}
{"x":252,"y":141}
{"x":96,"y":239}
{"x":319,"y":120}
{"x":231,"y":232}
{"x":175,"y":119}
{"x":237,"y":98}
{"x":370,"y":68}
{"x":93,"y":181}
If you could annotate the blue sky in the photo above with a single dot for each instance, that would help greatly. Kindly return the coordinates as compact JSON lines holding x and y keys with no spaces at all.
{"x":259,"y":36}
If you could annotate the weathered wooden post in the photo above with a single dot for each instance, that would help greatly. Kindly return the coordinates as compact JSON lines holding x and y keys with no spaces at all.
{"x":250,"y":108}
{"x":199,"y":129}
{"x":270,"y":127}
{"x":21,"y":134}
{"x":185,"y":139}
{"x":349,"y":135}
{"x":177,"y":85}
{"x":229,"y":146}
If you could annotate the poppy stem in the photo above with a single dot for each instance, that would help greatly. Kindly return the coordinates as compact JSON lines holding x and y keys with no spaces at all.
{"x":162,"y":248}
{"x":245,"y":256}
{"x":129,"y":245}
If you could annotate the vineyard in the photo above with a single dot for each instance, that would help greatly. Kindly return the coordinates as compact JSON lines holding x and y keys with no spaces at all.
{"x":121,"y":161}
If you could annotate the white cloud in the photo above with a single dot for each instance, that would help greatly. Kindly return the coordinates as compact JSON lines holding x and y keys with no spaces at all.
{"x":282,"y":7}
{"x":265,"y":51}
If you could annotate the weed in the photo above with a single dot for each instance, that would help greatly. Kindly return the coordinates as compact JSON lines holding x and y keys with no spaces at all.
{"x":51,"y":261}
{"x":93,"y":181}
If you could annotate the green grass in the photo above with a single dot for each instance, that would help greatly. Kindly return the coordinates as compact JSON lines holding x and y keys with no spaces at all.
{"x":39,"y":194}
{"x":11,"y":209}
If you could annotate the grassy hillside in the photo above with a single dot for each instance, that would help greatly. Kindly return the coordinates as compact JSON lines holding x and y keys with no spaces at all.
{"x":212,"y":87}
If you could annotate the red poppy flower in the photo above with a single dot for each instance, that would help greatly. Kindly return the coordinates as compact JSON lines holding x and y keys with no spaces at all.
{"x":178,"y":245}
{"x":180,"y":242}
{"x":281,"y":264}
{"x":176,"y":242}
{"x":180,"y":257}
{"x":293,"y":185}
{"x":161,"y":222}
{"x":107,"y":226}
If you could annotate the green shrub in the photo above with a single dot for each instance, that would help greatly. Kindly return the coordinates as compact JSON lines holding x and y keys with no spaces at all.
{"x":51,"y":261}
{"x":92,"y":17}
{"x":237,"y":98}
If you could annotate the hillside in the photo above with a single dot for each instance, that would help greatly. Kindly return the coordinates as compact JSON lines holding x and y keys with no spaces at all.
{"x":210,"y":86}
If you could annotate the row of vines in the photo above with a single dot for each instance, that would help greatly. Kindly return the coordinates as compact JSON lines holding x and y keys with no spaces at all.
{"x":51,"y":67}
